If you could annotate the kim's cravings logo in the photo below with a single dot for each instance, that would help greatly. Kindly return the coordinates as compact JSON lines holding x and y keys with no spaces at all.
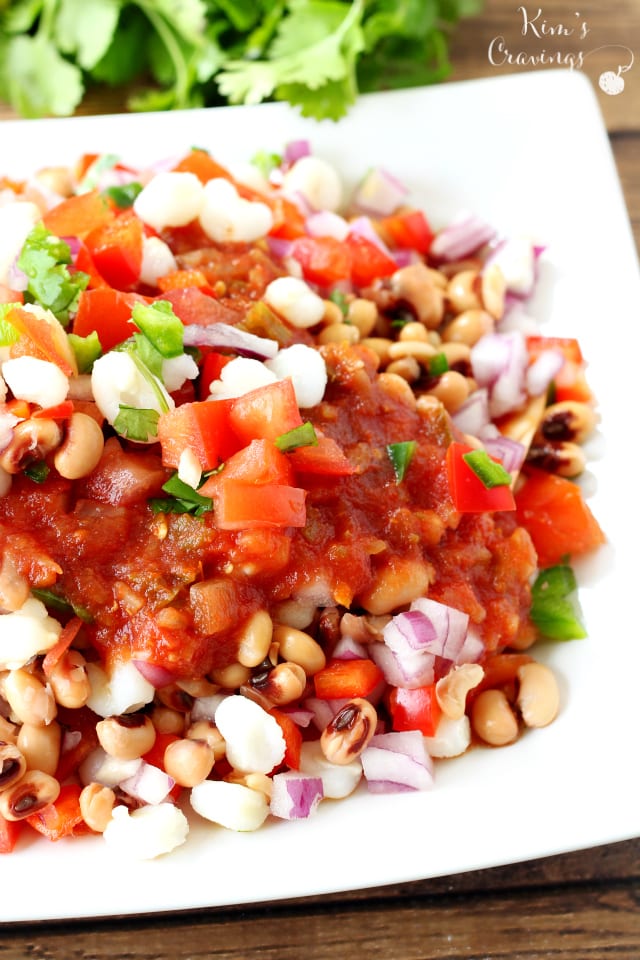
{"x":550,"y":53}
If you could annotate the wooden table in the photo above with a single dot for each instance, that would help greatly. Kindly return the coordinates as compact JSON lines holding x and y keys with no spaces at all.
{"x":581,"y":906}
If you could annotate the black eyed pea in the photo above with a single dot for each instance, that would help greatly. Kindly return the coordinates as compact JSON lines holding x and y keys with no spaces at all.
{"x":398,"y":388}
{"x":13,"y":765}
{"x":493,"y":288}
{"x":468,"y":327}
{"x":463,"y":291}
{"x":126,"y":737}
{"x":452,"y":689}
{"x":29,"y":794}
{"x":40,"y":746}
{"x":254,"y":639}
{"x":32,"y":440}
{"x":415,"y":286}
{"x":380,"y":346}
{"x":189,"y":761}
{"x":81,"y":448}
{"x":363,"y":314}
{"x":349,"y":732}
{"x":568,"y":420}
{"x":564,"y":459}
{"x":166,"y":720}
{"x":299,"y":647}
{"x":30,"y":700}
{"x":284,"y":684}
{"x":452,"y":389}
{"x":231,"y":677}
{"x":206,"y":730}
{"x":406,"y":367}
{"x":96,"y":806}
{"x":492,"y":718}
{"x":339,"y":333}
{"x":538,"y":698}
{"x":414,"y":331}
{"x":69,"y":680}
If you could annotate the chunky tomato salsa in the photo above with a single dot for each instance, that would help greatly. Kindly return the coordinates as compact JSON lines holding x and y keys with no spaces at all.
{"x":287,"y":496}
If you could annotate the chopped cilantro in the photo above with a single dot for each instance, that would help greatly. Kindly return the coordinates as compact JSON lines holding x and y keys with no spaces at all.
{"x":56,"y":601}
{"x":44,"y":259}
{"x":8,"y":333}
{"x":38,"y":471}
{"x":124,"y":195}
{"x":136,"y":424}
{"x":182,"y":499}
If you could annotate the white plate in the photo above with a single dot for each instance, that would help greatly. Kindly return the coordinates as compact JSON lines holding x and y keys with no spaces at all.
{"x":529,"y":153}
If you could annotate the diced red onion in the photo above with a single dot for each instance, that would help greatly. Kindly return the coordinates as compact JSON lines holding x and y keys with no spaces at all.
{"x":404,"y":258}
{"x":489,"y":358}
{"x":362,"y":227}
{"x":295,"y":796}
{"x":279,"y":247}
{"x":70,"y":740}
{"x":409,"y":670}
{"x":7,"y":423}
{"x":461,"y":238}
{"x":295,"y":150}
{"x":149,"y":784}
{"x":473,"y":415}
{"x":542,"y":371}
{"x":156,"y":675}
{"x":204,"y":708}
{"x":326,"y":223}
{"x":449,"y":624}
{"x":508,"y":392}
{"x":16,"y":278}
{"x":74,"y":245}
{"x":302,"y":718}
{"x":472,"y":648}
{"x":349,"y":649}
{"x":395,"y":762}
{"x":509,"y":452}
{"x":222,"y":336}
{"x":379,"y":193}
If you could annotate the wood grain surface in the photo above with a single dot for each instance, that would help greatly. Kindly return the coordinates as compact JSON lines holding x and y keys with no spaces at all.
{"x":580,"y":906}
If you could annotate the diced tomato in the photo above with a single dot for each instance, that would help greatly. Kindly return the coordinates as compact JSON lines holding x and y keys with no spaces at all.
{"x":42,"y":338}
{"x":566,"y":345}
{"x":267,"y":412}
{"x":500,"y":670}
{"x":244,"y":506}
{"x":468,"y":492}
{"x":61,"y":818}
{"x":324,"y":260}
{"x":259,"y":462}
{"x":326,"y":459}
{"x":116,"y":249}
{"x":7,"y":295}
{"x":343,"y":679}
{"x":416,"y":709}
{"x":108,"y":313}
{"x":288,"y":220}
{"x":409,"y":231}
{"x":559,"y":521}
{"x":124,"y":477}
{"x":368,"y":260}
{"x":570,"y":382}
{"x":204,"y":427}
{"x":61,"y":411}
{"x":10,"y":831}
{"x":210,"y":369}
{"x":83,"y":261}
{"x":193,"y":305}
{"x":78,"y":215}
{"x":292,"y":738}
{"x":202,"y":164}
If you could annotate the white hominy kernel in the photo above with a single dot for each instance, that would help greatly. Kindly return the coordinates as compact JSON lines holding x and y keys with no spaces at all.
{"x":189,"y":468}
{"x":317,"y":181}
{"x":175,"y":370}
{"x":34,"y":380}
{"x":17,"y":220}
{"x":26,"y":633}
{"x":228,"y":218}
{"x":157,"y":260}
{"x":121,"y":691}
{"x":231,"y":805}
{"x":147,"y":832}
{"x":239,"y":376}
{"x":452,"y":737}
{"x":170,"y":199}
{"x":294,"y":299}
{"x":307,"y":370}
{"x":100,"y":767}
{"x":116,"y":380}
{"x":338,"y":780}
{"x":253,"y":738}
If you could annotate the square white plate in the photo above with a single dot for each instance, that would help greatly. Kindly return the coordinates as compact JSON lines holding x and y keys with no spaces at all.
{"x":530,"y":154}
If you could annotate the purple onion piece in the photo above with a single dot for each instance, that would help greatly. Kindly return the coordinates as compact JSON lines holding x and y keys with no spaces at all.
{"x":222,"y":336}
{"x":462,"y":238}
{"x":295,"y":796}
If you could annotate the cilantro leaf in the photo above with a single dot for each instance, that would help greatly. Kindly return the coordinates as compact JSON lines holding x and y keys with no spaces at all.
{"x":8,"y":333}
{"x":44,"y":258}
{"x":182,"y":499}
{"x":36,"y":79}
{"x":86,"y":29}
{"x":137,"y":424}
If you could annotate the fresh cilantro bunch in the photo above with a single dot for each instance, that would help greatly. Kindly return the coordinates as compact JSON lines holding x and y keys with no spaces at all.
{"x":316,"y":54}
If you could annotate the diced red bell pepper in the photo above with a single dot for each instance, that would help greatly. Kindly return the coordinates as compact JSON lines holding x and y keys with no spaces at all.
{"x":259,"y":462}
{"x":368,"y":261}
{"x":292,"y":738}
{"x":181,"y":279}
{"x":266,"y":413}
{"x":245,"y":506}
{"x":326,"y":459}
{"x":570,"y":382}
{"x":408,"y":231}
{"x":559,"y":521}
{"x":83,"y":262}
{"x":468,"y":492}
{"x":204,"y":427}
{"x":107,"y":312}
{"x":78,"y":215}
{"x":7,"y":295}
{"x":416,"y":709}
{"x":10,"y":831}
{"x":116,"y":249}
{"x":210,"y":370}
{"x":288,"y":220}
{"x":61,"y":818}
{"x":61,"y":411}
{"x":344,"y":679}
{"x":324,"y":260}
